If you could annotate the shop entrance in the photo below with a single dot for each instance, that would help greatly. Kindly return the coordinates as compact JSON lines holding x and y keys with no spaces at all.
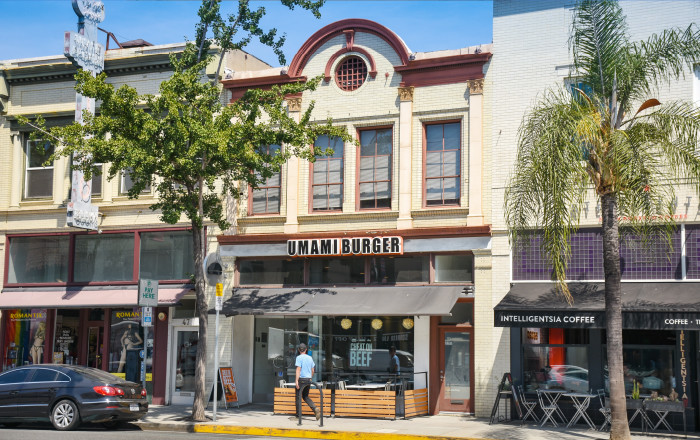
{"x":455,"y":369}
{"x":184,"y":361}
{"x":95,"y":345}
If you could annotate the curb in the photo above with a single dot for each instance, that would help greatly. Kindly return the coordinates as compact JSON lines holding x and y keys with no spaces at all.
{"x":290,"y":432}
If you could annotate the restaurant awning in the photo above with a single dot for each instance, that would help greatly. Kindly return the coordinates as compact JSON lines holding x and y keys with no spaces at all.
{"x":650,"y":306}
{"x":344,"y":301}
{"x":92,"y":296}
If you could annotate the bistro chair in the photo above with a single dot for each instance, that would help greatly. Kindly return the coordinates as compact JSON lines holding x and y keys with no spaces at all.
{"x":341,"y":385}
{"x":283,"y":384}
{"x":604,"y":409}
{"x":548,"y":409}
{"x":529,"y":405}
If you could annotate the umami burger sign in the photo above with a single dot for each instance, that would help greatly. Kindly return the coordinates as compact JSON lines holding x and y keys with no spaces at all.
{"x":322,"y":247}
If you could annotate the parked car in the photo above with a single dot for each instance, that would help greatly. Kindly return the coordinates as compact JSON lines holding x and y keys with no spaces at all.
{"x":68,"y":395}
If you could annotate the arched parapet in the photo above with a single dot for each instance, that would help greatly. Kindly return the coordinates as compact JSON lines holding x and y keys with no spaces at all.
{"x":348,"y":28}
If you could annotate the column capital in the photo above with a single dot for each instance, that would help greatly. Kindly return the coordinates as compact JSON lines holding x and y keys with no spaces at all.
{"x":294,"y":104}
{"x":476,"y":86}
{"x":406,"y":94}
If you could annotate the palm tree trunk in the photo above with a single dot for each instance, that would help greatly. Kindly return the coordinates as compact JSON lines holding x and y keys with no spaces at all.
{"x":619,"y":429}
{"x":202,"y":312}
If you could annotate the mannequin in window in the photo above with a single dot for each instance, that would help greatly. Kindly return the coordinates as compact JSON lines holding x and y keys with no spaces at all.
{"x":130,"y":339}
{"x":37,"y":349}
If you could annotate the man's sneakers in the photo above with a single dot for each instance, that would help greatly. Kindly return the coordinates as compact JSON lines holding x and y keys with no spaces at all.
{"x":317,"y":412}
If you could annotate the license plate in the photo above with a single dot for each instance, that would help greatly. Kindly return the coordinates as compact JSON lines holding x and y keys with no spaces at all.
{"x":134,"y":406}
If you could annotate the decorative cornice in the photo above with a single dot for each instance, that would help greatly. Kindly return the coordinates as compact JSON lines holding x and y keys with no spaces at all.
{"x":238,"y":87}
{"x":340,"y":27}
{"x":406,"y":94}
{"x":444,"y":70}
{"x":294,"y":104}
{"x":476,"y":86}
{"x":444,"y":232}
{"x":440,"y":212}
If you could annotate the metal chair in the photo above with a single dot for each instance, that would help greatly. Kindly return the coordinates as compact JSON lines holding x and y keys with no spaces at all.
{"x":341,"y":385}
{"x":548,"y":409}
{"x":283,"y":384}
{"x":604,"y":409}
{"x":530,"y":407}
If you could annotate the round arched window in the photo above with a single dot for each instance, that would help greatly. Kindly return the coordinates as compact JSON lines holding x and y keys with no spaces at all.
{"x":351,"y":73}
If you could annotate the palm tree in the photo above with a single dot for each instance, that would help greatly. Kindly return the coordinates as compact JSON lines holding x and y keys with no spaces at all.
{"x":612,"y":136}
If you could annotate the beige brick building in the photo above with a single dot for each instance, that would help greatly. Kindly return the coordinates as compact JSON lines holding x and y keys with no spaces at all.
{"x":415,"y":177}
{"x":69,"y":295}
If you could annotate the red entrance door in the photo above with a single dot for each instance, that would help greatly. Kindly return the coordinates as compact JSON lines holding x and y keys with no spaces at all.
{"x":456,"y":369}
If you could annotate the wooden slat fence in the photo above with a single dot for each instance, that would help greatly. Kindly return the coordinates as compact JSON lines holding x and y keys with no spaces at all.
{"x":285,"y":401}
{"x":416,"y":403}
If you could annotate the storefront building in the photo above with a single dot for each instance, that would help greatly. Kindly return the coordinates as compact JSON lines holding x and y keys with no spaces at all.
{"x":383,"y":244}
{"x":555,"y":345}
{"x":68,"y":295}
{"x":531,"y":43}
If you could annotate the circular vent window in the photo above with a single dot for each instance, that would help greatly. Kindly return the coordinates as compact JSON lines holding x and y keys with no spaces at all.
{"x":351,"y":73}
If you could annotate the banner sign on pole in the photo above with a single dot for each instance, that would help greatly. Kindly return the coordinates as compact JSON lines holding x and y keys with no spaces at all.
{"x":147,"y":317}
{"x":148,"y":293}
{"x":219,"y":297}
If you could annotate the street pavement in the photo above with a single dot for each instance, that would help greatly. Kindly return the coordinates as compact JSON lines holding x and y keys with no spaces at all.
{"x":258,"y":420}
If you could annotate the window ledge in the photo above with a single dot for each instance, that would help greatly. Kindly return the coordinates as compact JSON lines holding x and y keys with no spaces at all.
{"x":437,"y":212}
{"x":363,"y":215}
{"x":261,"y":220}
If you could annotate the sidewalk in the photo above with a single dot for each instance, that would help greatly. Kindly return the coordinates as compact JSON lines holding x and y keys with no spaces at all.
{"x":259,"y":420}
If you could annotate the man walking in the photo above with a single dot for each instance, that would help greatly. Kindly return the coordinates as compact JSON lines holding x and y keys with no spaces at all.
{"x":305,"y":371}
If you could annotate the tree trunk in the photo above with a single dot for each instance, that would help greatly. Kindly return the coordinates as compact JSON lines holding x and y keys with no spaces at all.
{"x":202,"y":313}
{"x":619,"y":429}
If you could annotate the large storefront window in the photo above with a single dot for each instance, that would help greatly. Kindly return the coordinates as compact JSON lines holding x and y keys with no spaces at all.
{"x":126,"y":342}
{"x":352,"y":349}
{"x":257,"y":272}
{"x":555,"y":358}
{"x":391,"y":270}
{"x":25,"y":337}
{"x":337,"y":271}
{"x":648,"y":359}
{"x":105,"y":257}
{"x":65,"y":344}
{"x":38,"y":259}
{"x":166,"y":255}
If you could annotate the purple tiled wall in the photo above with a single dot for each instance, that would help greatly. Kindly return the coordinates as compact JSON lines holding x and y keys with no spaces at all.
{"x":638,"y":260}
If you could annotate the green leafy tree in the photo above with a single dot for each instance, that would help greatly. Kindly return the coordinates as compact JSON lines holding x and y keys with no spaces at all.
{"x":614,"y":137}
{"x":191,"y":148}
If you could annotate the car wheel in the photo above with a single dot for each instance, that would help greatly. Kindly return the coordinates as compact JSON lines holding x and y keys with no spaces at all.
{"x":65,"y":416}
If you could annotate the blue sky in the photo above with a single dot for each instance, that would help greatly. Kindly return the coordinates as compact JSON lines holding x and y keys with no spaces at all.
{"x":37,"y":26}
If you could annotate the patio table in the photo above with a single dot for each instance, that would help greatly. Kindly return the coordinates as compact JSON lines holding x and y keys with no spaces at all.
{"x":581,"y":402}
{"x":553,"y":397}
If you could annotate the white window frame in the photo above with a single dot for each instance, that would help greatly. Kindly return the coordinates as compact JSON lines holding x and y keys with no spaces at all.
{"x":28,"y":169}
{"x":123,"y":190}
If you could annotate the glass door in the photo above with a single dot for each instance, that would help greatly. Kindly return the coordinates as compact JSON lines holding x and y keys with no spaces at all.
{"x":95,"y":346}
{"x":456,"y":374}
{"x":183,"y":365}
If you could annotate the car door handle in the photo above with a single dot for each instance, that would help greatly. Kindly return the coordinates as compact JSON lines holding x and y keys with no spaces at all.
{"x":52,"y":390}
{"x":13,"y":393}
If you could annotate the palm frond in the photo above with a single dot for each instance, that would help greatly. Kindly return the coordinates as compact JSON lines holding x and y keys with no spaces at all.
{"x":598,"y":39}
{"x":547,"y":188}
{"x":662,"y":57}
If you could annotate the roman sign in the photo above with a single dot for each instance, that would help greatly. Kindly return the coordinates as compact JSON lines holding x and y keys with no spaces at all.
{"x":323,"y":247}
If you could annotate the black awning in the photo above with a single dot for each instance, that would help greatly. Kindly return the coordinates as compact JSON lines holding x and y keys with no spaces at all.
{"x":344,"y":301}
{"x":651,"y":306}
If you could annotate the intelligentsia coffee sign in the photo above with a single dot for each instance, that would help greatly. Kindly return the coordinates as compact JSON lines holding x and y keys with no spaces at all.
{"x":323,"y":247}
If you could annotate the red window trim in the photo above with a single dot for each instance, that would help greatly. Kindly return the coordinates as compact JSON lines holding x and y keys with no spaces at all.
{"x":71,"y":258}
{"x":311,"y":185}
{"x":357,"y":168}
{"x":250,"y":197}
{"x":424,"y":178}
